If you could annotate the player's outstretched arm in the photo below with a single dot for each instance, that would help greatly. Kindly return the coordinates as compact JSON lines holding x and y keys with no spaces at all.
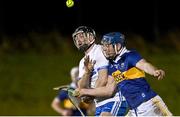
{"x":150,"y":69}
{"x":105,"y":91}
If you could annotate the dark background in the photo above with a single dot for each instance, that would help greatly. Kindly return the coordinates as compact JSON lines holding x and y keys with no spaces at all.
{"x":142,"y":17}
{"x":37,"y":51}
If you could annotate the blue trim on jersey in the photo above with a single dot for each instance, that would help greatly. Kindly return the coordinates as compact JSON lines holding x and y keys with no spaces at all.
{"x":103,"y":67}
{"x":93,"y":72}
{"x":115,"y":111}
{"x":122,"y":109}
{"x":100,"y":68}
{"x":115,"y":108}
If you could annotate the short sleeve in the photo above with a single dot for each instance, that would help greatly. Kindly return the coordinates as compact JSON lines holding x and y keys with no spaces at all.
{"x":101,"y":61}
{"x":134,"y":57}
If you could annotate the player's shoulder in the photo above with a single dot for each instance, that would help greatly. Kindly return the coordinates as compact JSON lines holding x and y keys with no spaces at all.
{"x":134,"y":56}
{"x":62,"y":93}
{"x":82,"y":59}
{"x":132,"y":52}
{"x":96,"y":52}
{"x":95,"y":48}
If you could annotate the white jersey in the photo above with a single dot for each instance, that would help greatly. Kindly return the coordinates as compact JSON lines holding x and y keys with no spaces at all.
{"x":101,"y":62}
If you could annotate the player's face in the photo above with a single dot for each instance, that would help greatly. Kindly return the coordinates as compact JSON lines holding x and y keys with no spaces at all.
{"x":109,"y":51}
{"x":81,"y":41}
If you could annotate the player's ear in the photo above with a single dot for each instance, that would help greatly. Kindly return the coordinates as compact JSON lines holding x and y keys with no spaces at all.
{"x":91,"y":37}
{"x":118,"y":46}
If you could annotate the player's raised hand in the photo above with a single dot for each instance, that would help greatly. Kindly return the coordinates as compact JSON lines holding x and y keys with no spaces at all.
{"x":159,"y":74}
{"x":88,"y":64}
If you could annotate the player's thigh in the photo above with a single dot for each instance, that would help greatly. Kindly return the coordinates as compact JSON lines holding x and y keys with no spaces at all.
{"x":152,"y":107}
{"x":160,"y":106}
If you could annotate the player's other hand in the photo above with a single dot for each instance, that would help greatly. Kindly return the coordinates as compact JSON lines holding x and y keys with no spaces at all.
{"x":88,"y":64}
{"x":159,"y":74}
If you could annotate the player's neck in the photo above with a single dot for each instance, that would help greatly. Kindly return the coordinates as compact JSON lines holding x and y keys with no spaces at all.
{"x":89,"y":49}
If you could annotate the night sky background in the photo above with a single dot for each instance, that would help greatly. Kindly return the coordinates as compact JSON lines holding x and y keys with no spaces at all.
{"x":141,"y":17}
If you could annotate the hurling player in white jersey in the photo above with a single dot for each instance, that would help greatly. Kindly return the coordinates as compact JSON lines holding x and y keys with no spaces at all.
{"x":84,"y":40}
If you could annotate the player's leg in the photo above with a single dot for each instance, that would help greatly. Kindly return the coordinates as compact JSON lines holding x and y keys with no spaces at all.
{"x":152,"y":107}
{"x":161,"y":106}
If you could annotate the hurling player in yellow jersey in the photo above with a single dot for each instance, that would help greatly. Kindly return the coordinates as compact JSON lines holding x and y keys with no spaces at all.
{"x":127,"y":70}
{"x":61,"y":103}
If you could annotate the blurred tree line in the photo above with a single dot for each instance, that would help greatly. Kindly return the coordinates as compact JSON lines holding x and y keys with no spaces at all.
{"x":54,"y":42}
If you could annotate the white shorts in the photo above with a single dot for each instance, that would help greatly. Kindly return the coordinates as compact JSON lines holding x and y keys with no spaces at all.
{"x":153,"y":107}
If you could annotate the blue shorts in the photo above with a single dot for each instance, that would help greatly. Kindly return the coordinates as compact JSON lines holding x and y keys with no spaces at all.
{"x":115,"y":108}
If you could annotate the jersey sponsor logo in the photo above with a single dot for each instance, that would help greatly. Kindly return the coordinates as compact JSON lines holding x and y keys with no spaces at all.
{"x":130,"y":74}
{"x":118,"y":76}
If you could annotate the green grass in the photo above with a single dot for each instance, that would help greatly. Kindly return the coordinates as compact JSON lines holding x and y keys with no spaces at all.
{"x":168,"y":88}
{"x":26,"y":81}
